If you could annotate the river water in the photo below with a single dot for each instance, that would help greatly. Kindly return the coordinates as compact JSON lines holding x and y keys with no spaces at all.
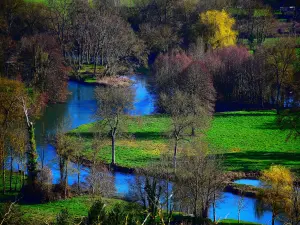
{"x":79,"y":109}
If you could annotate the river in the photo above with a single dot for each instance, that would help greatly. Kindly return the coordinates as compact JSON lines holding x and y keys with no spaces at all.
{"x":79,"y":109}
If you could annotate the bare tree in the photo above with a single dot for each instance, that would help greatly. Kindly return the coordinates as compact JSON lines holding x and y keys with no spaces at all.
{"x":200,"y":180}
{"x":241,"y":205}
{"x":113,"y":105}
{"x":65,"y":146}
{"x":101,"y":182}
{"x":280,"y":57}
{"x":153,"y":189}
{"x":178,"y":107}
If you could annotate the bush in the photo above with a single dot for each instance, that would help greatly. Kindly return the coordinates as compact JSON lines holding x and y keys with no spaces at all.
{"x":97,"y":214}
{"x":64,"y":218}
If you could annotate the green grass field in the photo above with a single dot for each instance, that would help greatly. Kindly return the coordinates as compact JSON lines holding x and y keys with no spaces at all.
{"x":77,"y":206}
{"x":250,"y":141}
{"x":145,"y":143}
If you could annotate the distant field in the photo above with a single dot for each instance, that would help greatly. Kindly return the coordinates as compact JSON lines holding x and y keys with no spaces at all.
{"x":249,"y":141}
{"x":268,"y":41}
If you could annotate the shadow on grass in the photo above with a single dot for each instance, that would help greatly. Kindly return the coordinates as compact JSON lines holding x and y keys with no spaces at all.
{"x":149,"y":135}
{"x":256,"y":113}
{"x":137,"y":135}
{"x":253,"y":161}
{"x":8,"y":197}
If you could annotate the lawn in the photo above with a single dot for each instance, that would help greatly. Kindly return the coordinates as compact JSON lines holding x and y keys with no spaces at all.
{"x":250,"y":141}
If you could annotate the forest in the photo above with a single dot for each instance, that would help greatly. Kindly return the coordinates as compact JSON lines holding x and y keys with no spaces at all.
{"x":151,"y":112}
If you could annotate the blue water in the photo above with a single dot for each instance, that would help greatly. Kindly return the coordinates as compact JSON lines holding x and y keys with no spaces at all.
{"x":79,"y":109}
{"x":251,"y":182}
{"x":227,"y":206}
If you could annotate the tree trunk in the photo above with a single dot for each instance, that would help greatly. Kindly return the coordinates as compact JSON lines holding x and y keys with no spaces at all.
{"x":3,"y":177}
{"x":78,"y":179}
{"x":193,"y":133}
{"x":95,"y":64}
{"x":11,"y":171}
{"x":23,"y":175}
{"x":273,"y":218}
{"x":214,"y":210}
{"x":113,"y":153}
{"x":17,"y":178}
{"x":32,"y":155}
{"x":205,"y":213}
{"x":66,"y":179}
{"x":61,"y":169}
{"x":175,"y":152}
{"x":278,"y":93}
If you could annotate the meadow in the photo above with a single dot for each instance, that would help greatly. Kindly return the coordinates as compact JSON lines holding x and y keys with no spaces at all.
{"x":249,"y":141}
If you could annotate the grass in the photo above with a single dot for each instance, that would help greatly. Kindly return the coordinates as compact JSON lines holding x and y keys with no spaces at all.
{"x":145,"y":143}
{"x":250,"y":141}
{"x":253,"y":141}
{"x":230,"y":221}
{"x":10,"y":194}
{"x":37,"y":1}
{"x":77,"y":206}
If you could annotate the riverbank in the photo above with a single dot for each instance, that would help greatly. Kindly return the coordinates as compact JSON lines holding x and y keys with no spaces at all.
{"x":249,"y":141}
{"x":88,"y":75}
{"x":78,"y":207}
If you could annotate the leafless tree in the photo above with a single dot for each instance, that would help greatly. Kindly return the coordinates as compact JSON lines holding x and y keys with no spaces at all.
{"x":113,"y":105}
{"x":241,"y":205}
{"x":153,"y":188}
{"x":101,"y":182}
{"x":201,"y":181}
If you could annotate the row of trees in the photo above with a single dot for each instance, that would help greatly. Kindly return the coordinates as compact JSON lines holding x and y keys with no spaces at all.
{"x":17,"y":131}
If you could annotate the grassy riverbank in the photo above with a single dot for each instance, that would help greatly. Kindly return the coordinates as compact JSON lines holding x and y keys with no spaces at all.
{"x":250,"y":141}
{"x":78,"y":207}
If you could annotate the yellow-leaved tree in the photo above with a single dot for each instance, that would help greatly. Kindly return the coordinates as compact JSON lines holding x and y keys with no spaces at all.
{"x":219,"y":26}
{"x":276,"y":192}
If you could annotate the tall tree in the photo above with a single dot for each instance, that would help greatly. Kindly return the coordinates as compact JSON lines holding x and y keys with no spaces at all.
{"x":278,"y":182}
{"x":200,"y":181}
{"x":113,"y":105}
{"x":219,"y":28}
{"x":11,"y":116}
{"x":281,"y":57}
{"x":65,"y":148}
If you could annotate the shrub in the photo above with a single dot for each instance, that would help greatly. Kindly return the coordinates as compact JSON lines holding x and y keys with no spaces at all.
{"x":64,"y":218}
{"x":97,"y":214}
